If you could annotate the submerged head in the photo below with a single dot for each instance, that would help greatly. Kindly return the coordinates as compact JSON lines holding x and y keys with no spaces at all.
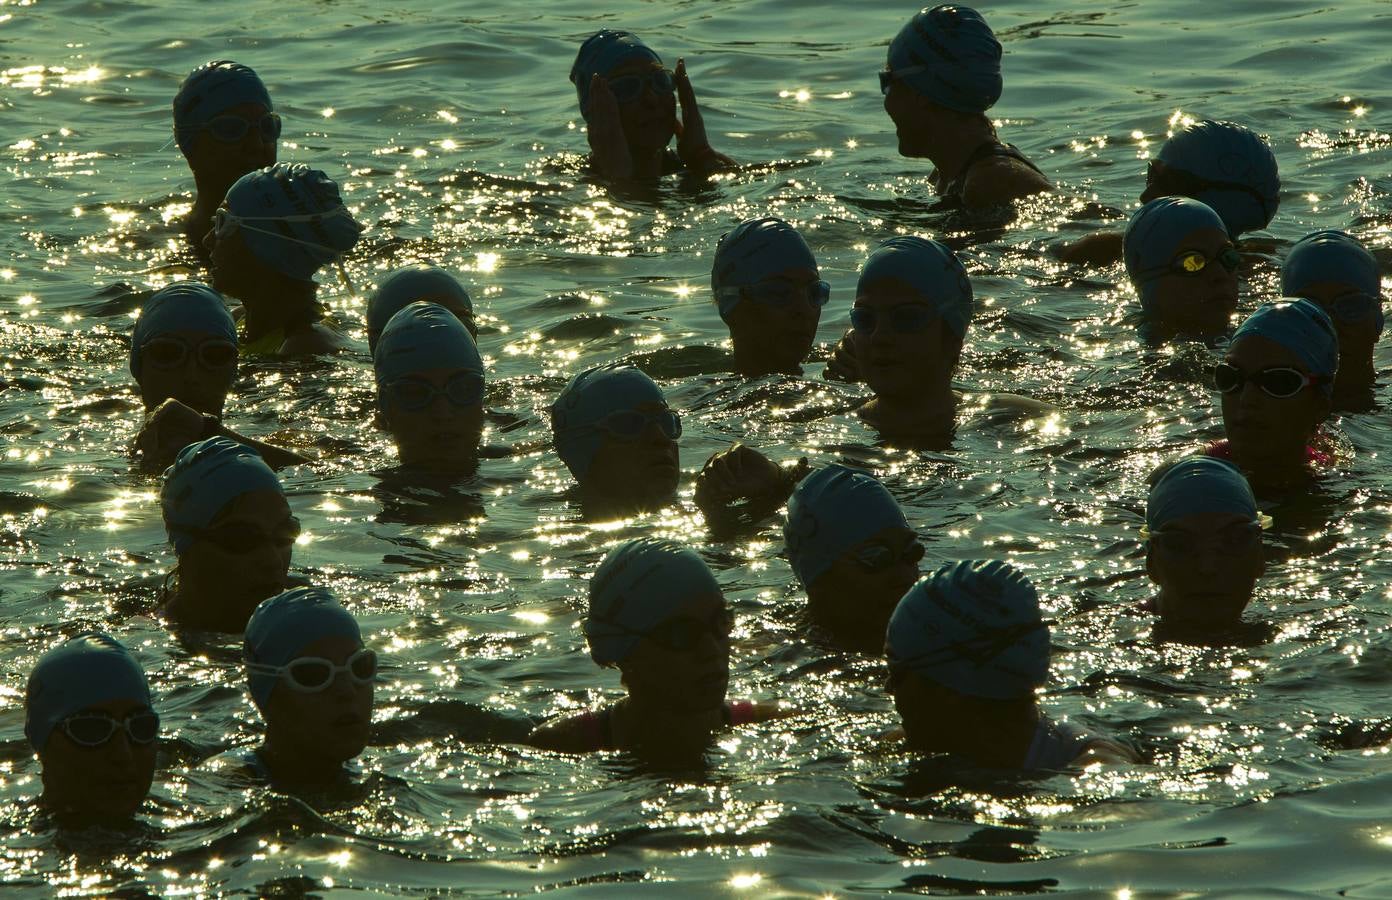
{"x":1183,"y":265}
{"x":853,"y":551}
{"x":224,"y":123}
{"x":184,"y":347}
{"x":616,"y":434}
{"x":87,"y":713}
{"x":657,"y":613}
{"x":642,"y":86}
{"x":311,"y":677}
{"x":1203,"y":543}
{"x":912,"y":307}
{"x":769,"y":291}
{"x":1225,"y":165}
{"x":231,"y":527}
{"x":408,"y":284}
{"x":430,"y":387}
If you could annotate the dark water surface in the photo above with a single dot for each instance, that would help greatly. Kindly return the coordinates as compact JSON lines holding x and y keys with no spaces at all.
{"x":454,"y":133}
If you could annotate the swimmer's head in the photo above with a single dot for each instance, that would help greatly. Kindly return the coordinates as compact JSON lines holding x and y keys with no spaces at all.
{"x":205,"y":478}
{"x":88,"y":715}
{"x":767,"y":286}
{"x":185,"y":346}
{"x":290,"y":217}
{"x":603,"y":52}
{"x":830,"y":512}
{"x":1182,"y":263}
{"x":930,"y":270}
{"x":1335,"y":271}
{"x":211,"y":90}
{"x":283,"y":626}
{"x":1301,"y":328}
{"x":973,"y":627}
{"x":949,"y":55}
{"x":1197,"y":485}
{"x":419,"y":337}
{"x":407,"y":284}
{"x":1223,"y":164}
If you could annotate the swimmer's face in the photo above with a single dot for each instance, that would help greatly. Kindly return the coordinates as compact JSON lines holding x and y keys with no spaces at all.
{"x":856,"y":596}
{"x":324,"y":728}
{"x":236,"y":271}
{"x":636,"y":473}
{"x":692,"y":674}
{"x":200,"y":381}
{"x":650,"y":120}
{"x":909,"y":352}
{"x":1357,"y":334}
{"x":1265,"y":430}
{"x":441,"y":436}
{"x":923,"y":708}
{"x":244,"y":559}
{"x":777,"y":333}
{"x":1205,"y":567}
{"x":219,"y":163}
{"x":101,"y":783}
{"x":1201,"y":303}
{"x":909,"y":114}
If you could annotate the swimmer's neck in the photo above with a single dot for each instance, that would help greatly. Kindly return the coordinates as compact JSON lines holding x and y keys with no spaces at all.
{"x":752,"y":362}
{"x":932,"y":412}
{"x":657,"y":730}
{"x":1268,"y":474}
{"x":279,"y":302}
{"x":598,"y":507}
{"x":949,"y":149}
{"x":288,"y":768}
{"x":991,"y":741}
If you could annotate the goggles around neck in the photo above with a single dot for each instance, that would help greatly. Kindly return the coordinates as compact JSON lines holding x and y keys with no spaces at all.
{"x":462,"y":389}
{"x":1281,"y":382}
{"x":95,"y":729}
{"x":313,"y":674}
{"x":173,"y":352}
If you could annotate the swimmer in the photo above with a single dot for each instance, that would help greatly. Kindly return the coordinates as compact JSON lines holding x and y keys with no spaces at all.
{"x":768,"y":289}
{"x":853,"y":552}
{"x":967,"y":651}
{"x":311,"y":677}
{"x":226,"y":515}
{"x":407,"y":284}
{"x":943,"y":74}
{"x":1228,"y":167}
{"x":1276,"y":383}
{"x":629,"y":101}
{"x":1183,"y":266}
{"x":225,"y":127}
{"x":88,"y":716}
{"x":656,"y":613}
{"x":1203,"y":545}
{"x":430,"y":388}
{"x":618,"y":437}
{"x":913,"y":304}
{"x":277,"y":227}
{"x":1340,"y":276}
{"x":183,"y":356}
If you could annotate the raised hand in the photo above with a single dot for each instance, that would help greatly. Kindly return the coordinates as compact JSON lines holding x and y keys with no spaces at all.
{"x":608,"y":147}
{"x":692,"y":144}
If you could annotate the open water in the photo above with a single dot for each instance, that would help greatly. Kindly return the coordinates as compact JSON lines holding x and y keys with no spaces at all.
{"x":454,"y":132}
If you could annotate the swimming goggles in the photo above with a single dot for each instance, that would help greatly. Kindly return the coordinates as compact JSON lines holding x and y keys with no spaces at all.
{"x":1190,"y":263}
{"x":889,"y":76}
{"x":782,"y":293}
{"x":1352,"y":308}
{"x":231,"y":129}
{"x":978,"y":649}
{"x":629,"y":424}
{"x":627,"y":88}
{"x":682,"y":634}
{"x":1233,"y":538}
{"x":225,"y":222}
{"x":1280,"y":382}
{"x":462,"y":389}
{"x":313,"y":674}
{"x":1163,"y":180}
{"x":172,"y":352}
{"x":243,"y":537}
{"x":93,"y":729}
{"x":874,"y":558}
{"x":906,"y":318}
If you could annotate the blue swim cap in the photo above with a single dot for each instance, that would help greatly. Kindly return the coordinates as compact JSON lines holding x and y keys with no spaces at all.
{"x":956,"y":60}
{"x":972,"y":626}
{"x":1225,"y":153}
{"x":928,"y":267}
{"x":635,"y":588}
{"x":751,"y":252}
{"x":1302,"y":328}
{"x":295,"y":220}
{"x":1153,"y":236}
{"x":831,"y":511}
{"x":182,"y":306}
{"x":210,"y":90}
{"x":82,"y":671}
{"x":205,"y":477}
{"x":424,"y":335}
{"x":1199,"y":484}
{"x":408,"y":284}
{"x":1331,"y":256}
{"x":603,"y":52}
{"x":589,"y":397}
{"x":284,"y":625}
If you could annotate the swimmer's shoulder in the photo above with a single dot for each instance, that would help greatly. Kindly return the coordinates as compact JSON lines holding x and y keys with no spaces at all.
{"x":998,"y":407}
{"x":998,"y":180}
{"x":315,"y":338}
{"x":1101,"y":248}
{"x":1105,"y":751}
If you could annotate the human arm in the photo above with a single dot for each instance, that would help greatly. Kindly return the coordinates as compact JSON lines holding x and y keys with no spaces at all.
{"x":692,"y":144}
